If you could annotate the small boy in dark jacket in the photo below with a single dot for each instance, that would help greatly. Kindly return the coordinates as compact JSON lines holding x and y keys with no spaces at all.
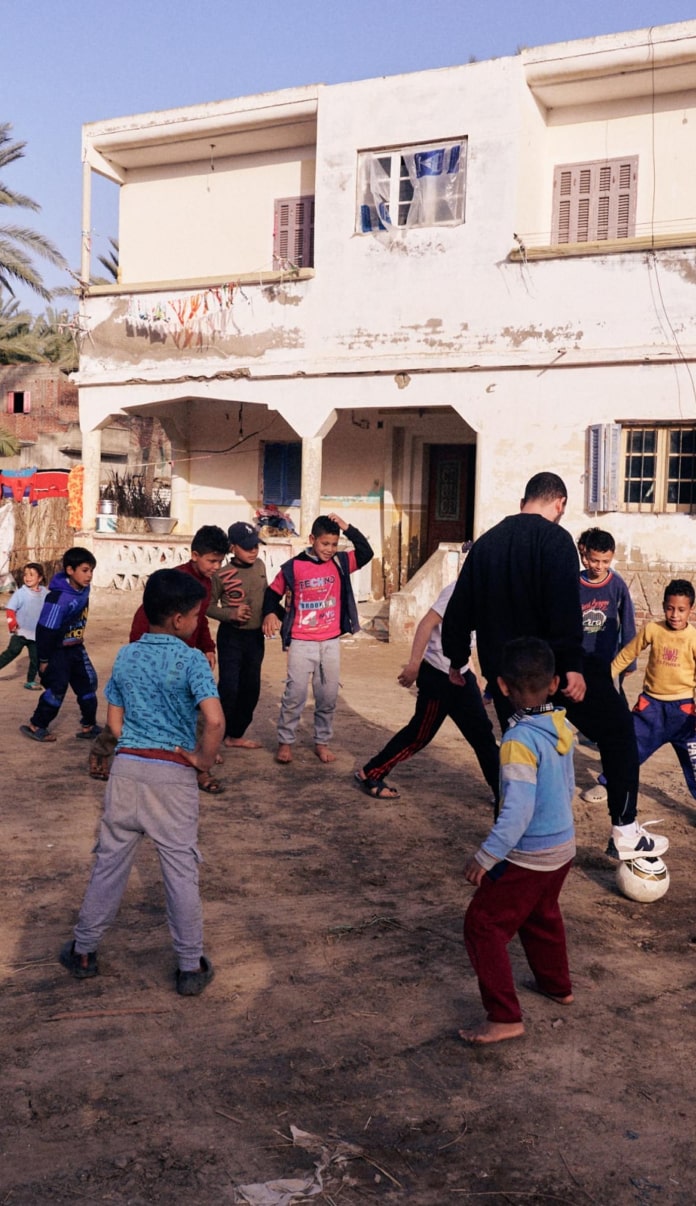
{"x":320,"y":607}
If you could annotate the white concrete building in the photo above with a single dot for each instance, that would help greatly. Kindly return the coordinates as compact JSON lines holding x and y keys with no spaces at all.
{"x":415,"y":292}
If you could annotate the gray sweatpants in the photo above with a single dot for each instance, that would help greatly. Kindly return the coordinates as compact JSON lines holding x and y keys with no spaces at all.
{"x":320,"y":661}
{"x":159,"y":800}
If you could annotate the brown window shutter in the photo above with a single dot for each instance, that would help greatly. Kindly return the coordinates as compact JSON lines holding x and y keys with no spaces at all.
{"x":293,"y":235}
{"x":596,"y":201}
{"x":9,"y":402}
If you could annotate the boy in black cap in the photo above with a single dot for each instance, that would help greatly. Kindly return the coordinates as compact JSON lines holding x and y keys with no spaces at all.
{"x":236,"y":600}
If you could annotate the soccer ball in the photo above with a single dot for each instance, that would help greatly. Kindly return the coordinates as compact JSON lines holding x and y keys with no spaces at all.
{"x":642,"y":879}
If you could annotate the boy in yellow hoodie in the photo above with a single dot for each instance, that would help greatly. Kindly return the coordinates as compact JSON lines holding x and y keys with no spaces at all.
{"x":664,"y":713}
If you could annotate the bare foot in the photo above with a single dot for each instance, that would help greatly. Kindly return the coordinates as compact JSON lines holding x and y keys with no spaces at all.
{"x":241,"y":743}
{"x":324,"y":754}
{"x":492,"y":1032}
{"x":284,"y":754}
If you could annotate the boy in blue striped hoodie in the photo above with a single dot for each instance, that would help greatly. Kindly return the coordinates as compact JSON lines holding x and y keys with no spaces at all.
{"x":521,"y":866}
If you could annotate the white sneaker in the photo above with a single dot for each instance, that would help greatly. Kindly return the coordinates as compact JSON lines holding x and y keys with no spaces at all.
{"x":636,"y":844}
{"x":595,"y":795}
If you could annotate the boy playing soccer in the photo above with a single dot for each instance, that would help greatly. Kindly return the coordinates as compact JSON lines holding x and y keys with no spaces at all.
{"x":608,"y":619}
{"x":664,"y":712}
{"x":520,"y":868}
{"x":156,"y":689}
{"x":321,"y":606}
{"x":23,"y":611}
{"x":438,"y":698}
{"x":60,"y":649}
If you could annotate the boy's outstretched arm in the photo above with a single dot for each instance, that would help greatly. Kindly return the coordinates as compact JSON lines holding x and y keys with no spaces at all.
{"x":409,"y":672}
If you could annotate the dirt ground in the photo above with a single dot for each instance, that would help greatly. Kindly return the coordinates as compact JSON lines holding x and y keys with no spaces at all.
{"x":334,"y":924}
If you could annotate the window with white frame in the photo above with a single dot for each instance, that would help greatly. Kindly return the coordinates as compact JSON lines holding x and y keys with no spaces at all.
{"x":596,"y":201}
{"x":642,"y":467}
{"x":408,"y":187}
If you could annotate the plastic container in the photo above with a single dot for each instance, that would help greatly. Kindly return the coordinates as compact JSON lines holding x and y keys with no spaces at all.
{"x":106,"y":523}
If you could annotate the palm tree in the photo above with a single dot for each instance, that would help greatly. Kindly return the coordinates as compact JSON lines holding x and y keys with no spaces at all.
{"x":18,"y":341}
{"x":110,"y":262}
{"x":19,"y":244}
{"x":54,"y":333}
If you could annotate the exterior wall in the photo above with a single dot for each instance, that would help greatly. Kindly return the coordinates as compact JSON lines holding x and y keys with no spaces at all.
{"x":394,"y":327}
{"x":190,"y":220}
{"x":54,"y":410}
{"x":663,"y":140}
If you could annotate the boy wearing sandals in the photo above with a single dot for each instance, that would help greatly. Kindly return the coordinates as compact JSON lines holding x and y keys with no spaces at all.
{"x":60,"y":649}
{"x":157,"y":690}
{"x":438,"y":698}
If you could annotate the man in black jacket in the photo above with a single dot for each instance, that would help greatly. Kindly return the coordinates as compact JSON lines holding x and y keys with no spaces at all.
{"x":521,"y":578}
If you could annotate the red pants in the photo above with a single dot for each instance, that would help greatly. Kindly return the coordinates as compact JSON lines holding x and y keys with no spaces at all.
{"x":524,"y":902}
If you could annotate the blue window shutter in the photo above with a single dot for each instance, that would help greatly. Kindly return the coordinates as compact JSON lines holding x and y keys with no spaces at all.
{"x":282,"y":471}
{"x":602,"y":469}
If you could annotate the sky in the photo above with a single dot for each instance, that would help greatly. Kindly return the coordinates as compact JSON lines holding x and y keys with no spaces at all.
{"x":68,"y":62}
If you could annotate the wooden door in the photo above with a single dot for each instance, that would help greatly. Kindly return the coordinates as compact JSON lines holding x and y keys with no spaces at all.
{"x":450,"y":512}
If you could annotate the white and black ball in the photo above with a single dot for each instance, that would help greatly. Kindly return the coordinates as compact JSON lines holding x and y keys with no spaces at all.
{"x":642,"y":879}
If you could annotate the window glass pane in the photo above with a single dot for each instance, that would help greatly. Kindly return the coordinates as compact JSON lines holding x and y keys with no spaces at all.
{"x":640,"y":465}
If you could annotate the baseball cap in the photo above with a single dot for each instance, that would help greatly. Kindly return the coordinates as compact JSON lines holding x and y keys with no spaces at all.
{"x":244,"y":535}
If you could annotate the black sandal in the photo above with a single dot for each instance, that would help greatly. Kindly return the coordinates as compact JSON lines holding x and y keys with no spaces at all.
{"x":378,"y":789}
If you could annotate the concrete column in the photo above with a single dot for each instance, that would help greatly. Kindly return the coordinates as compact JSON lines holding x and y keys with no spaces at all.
{"x":91,"y":459}
{"x":86,"y":247}
{"x":311,"y":483}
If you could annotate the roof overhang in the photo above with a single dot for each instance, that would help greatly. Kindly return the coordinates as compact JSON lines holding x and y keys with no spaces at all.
{"x":270,"y":121}
{"x":645,"y":62}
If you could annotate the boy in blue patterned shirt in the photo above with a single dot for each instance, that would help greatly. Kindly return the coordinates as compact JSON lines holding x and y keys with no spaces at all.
{"x":157,"y":686}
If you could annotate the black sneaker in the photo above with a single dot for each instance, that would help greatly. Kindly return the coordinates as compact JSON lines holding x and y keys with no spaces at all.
{"x":192,"y":983}
{"x":82,"y":967}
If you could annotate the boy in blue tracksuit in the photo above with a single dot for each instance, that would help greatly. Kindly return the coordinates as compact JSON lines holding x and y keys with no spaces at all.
{"x":60,"y":648}
{"x":521,"y":866}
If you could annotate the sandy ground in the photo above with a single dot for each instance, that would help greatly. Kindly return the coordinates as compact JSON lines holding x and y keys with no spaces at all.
{"x":334,"y":923}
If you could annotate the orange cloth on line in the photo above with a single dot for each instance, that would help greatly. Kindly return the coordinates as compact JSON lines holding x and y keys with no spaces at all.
{"x":76,"y":481}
